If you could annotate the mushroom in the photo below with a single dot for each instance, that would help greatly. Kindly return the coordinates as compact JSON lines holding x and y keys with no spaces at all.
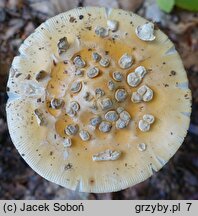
{"x":138,"y":91}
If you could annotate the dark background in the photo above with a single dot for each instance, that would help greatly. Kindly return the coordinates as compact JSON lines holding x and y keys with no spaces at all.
{"x":177,"y":180}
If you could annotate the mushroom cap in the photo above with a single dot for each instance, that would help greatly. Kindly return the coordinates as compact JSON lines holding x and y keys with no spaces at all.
{"x":40,"y":143}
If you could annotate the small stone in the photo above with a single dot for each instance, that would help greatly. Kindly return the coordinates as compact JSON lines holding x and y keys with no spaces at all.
{"x":71,"y":129}
{"x":107,"y":155}
{"x":93,"y":72}
{"x":105,"y":126}
{"x":84,"y":135}
{"x":95,"y":121}
{"x":120,"y":95}
{"x":96,"y":57}
{"x":99,"y":92}
{"x":149,"y":118}
{"x":136,"y":98}
{"x":112,"y":25}
{"x":120,"y":124}
{"x":142,"y":147}
{"x":76,"y":87}
{"x":104,"y":62}
{"x":101,"y":31}
{"x":41,"y":75}
{"x":67,"y":142}
{"x":111,"y":116}
{"x":145,"y":32}
{"x":75,"y":106}
{"x":119,"y":110}
{"x":124,"y":115}
{"x":79,"y":62}
{"x":140,"y":71}
{"x":144,"y":126}
{"x":117,"y":76}
{"x":63,"y":45}
{"x":106,"y":103}
{"x":56,"y":103}
{"x":133,"y":80}
{"x":111,"y":85}
{"x":125,"y":61}
{"x":79,"y":72}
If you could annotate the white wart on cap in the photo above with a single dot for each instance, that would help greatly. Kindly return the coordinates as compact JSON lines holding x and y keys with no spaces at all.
{"x":90,"y":131}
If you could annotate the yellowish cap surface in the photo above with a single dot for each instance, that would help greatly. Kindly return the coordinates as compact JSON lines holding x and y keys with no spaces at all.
{"x":98,"y":100}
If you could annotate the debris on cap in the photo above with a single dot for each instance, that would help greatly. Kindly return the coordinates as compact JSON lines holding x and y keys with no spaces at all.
{"x":111,"y":85}
{"x":121,"y":95}
{"x":56,"y":103}
{"x":41,"y":75}
{"x":106,"y":103}
{"x":146,"y":32}
{"x":104,"y":62}
{"x":142,"y":147}
{"x":125,"y":61}
{"x":111,"y":116}
{"x":95,"y":121}
{"x":76,"y":87}
{"x":96,"y":57}
{"x":42,"y":121}
{"x":84,"y":135}
{"x":106,"y":155}
{"x":105,"y":126}
{"x":112,"y":25}
{"x":144,"y":93}
{"x":67,"y":142}
{"x":145,"y":122}
{"x":101,"y":31}
{"x":93,"y":72}
{"x":79,"y":62}
{"x":71,"y":129}
{"x":117,"y":76}
{"x":63,"y":45}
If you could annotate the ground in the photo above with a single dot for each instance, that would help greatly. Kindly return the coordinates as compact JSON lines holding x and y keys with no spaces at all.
{"x":177,"y":180}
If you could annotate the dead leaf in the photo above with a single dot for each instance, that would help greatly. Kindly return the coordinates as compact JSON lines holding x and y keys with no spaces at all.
{"x":51,"y":8}
{"x":13,"y":27}
{"x":101,"y":3}
{"x":130,"y":5}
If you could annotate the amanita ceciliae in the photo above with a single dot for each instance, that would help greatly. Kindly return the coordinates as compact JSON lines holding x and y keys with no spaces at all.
{"x":98,"y":99}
